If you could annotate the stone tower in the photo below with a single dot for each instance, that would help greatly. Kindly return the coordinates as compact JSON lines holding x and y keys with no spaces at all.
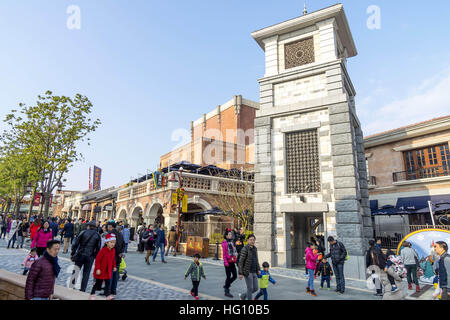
{"x":310,"y":172}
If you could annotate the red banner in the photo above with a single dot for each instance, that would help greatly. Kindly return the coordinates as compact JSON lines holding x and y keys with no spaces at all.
{"x":37,"y":199}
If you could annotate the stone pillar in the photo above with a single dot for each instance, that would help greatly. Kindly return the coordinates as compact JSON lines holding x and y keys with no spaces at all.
{"x":264,"y":213}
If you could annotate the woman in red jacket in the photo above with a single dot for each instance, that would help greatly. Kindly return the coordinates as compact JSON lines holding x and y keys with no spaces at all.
{"x":34,"y":228}
{"x":105,"y":264}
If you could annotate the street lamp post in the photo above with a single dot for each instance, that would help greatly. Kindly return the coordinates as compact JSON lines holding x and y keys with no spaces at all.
{"x":180,"y":173}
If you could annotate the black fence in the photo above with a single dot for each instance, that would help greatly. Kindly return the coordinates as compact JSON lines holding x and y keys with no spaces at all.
{"x":421,"y":173}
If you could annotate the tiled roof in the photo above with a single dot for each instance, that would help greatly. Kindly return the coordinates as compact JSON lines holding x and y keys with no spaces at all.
{"x":405,"y":127}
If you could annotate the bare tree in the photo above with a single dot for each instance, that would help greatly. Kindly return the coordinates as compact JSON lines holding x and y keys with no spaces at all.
{"x":236,"y":196}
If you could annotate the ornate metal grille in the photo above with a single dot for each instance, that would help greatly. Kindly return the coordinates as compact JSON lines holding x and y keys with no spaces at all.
{"x":302,"y":162}
{"x":299,"y":53}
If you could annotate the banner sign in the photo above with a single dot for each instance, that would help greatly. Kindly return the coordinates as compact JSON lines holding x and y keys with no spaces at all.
{"x":185,"y":204}
{"x":97,"y":178}
{"x":158,"y":179}
{"x":37,"y":199}
{"x":174,"y":199}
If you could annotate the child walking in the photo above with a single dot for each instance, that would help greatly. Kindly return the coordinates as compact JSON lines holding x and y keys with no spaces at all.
{"x":196,"y":271}
{"x":264,"y":278}
{"x":105,"y":264}
{"x":326,"y":272}
{"x":29,"y":260}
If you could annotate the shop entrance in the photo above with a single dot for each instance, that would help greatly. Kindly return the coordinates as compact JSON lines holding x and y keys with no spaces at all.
{"x":302,"y":226}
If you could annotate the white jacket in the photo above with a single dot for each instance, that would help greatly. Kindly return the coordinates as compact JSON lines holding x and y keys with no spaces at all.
{"x":14,"y":227}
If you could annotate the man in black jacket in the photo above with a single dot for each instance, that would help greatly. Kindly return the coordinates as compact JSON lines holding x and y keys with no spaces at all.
{"x":111,"y":227}
{"x":338,"y":255}
{"x":84,"y":251}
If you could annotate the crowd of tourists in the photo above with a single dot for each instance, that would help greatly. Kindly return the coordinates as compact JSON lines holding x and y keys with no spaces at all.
{"x":105,"y":244}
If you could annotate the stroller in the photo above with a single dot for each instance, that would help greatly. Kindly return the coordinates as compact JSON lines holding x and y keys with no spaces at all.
{"x":122,"y":269}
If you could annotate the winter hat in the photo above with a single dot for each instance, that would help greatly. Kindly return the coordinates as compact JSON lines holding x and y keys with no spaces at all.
{"x":110,"y":237}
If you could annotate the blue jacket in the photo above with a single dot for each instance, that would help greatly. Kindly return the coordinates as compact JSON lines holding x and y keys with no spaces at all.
{"x":68,"y":230}
{"x":126,"y":235}
{"x":54,"y":228}
{"x":161,"y":238}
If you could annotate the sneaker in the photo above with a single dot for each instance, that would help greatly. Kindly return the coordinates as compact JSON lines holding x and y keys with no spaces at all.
{"x":241,"y":296}
{"x":341,"y":292}
{"x":410,"y":286}
{"x":313,"y":293}
{"x":110,"y":297}
{"x":196,"y":297}
{"x":308,"y":290}
{"x":229,"y":295}
{"x":192,"y":294}
{"x":328,"y":289}
{"x":92,"y":297}
{"x":394,"y":289}
{"x":417,"y":288}
{"x":164,"y":261}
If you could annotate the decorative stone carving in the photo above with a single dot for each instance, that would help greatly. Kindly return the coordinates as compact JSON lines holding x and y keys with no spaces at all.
{"x":299,"y":53}
{"x":302,"y":162}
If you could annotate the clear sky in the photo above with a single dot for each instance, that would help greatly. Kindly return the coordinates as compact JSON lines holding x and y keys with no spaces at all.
{"x":150,"y":67}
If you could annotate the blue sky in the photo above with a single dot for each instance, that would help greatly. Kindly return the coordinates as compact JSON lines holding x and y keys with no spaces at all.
{"x":150,"y":67}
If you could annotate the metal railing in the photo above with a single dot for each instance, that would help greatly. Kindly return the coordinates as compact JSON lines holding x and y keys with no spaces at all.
{"x":413,"y":228}
{"x":390,"y":242}
{"x":421,"y":173}
{"x":210,"y":230}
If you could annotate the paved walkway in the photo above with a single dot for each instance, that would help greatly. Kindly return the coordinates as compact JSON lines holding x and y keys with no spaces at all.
{"x":160,"y":281}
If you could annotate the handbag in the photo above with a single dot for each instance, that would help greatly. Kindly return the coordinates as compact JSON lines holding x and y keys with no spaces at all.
{"x":232,"y":259}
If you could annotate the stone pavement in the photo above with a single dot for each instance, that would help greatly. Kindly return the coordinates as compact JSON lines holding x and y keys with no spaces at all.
{"x":160,"y":281}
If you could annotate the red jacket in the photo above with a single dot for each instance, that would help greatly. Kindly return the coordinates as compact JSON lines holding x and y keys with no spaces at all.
{"x":105,"y":262}
{"x":41,"y":280}
{"x":33,"y":229}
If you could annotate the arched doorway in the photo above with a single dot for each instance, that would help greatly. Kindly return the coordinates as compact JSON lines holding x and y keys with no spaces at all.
{"x":136,"y":217}
{"x":122,"y":215}
{"x":155,"y":215}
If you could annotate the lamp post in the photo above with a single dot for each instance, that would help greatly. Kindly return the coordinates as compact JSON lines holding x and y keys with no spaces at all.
{"x":172,"y":179}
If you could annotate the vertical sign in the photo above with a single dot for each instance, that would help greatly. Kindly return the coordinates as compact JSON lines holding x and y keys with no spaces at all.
{"x":97,"y":178}
{"x":37,"y":199}
{"x":185,"y":204}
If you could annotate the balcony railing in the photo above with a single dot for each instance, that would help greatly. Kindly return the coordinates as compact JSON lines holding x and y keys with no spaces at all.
{"x":421,"y":173}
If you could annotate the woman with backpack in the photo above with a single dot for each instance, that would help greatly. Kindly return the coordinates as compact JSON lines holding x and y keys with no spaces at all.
{"x":411,"y":260}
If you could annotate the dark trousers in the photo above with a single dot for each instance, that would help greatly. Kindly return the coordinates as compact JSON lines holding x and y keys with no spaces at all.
{"x":194,"y":289}
{"x":13,"y":239}
{"x":85,"y":263}
{"x":40,"y":251}
{"x":231,"y":275}
{"x":25,"y":271}
{"x":338,"y":270}
{"x":98,"y":286}
{"x":411,"y":269}
{"x":262,"y":292}
{"x":325,"y":279}
{"x":114,"y":280}
{"x":3,"y":234}
{"x":391,"y":280}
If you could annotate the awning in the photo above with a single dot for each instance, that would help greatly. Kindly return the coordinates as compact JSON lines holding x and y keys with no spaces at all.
{"x":86,"y":207}
{"x":418,"y":203}
{"x":211,"y":211}
{"x":389,"y":211}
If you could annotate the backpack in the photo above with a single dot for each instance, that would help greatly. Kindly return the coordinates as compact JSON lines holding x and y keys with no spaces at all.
{"x":399,"y":267}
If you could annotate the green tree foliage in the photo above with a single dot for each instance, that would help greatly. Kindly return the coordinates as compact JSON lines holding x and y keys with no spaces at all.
{"x":45,"y":137}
